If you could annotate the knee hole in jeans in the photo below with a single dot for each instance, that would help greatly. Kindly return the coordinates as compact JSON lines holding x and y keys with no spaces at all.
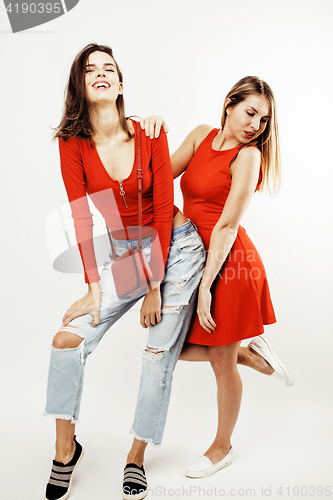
{"x":65,"y":339}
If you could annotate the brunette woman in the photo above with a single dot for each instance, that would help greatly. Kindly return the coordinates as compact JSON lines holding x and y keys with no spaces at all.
{"x":99,"y":156}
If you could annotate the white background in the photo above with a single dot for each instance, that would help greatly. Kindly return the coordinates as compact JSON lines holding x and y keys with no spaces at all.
{"x":179,"y":59}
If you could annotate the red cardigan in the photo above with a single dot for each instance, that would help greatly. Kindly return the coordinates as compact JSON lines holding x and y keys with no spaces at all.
{"x":83,"y":173}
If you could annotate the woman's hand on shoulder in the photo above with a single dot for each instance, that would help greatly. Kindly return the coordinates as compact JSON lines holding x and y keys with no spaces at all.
{"x":152,"y":126}
{"x":89,"y":304}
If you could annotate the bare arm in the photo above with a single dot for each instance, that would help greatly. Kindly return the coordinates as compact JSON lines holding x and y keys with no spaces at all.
{"x":244,"y":180}
{"x":183,"y":155}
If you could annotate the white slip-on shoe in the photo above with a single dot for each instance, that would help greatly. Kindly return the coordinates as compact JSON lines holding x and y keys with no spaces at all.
{"x":262,"y":347}
{"x":203,"y":466}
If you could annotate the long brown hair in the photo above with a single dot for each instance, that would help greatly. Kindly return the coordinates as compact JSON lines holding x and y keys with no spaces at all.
{"x":76,"y":121}
{"x":268,"y":141}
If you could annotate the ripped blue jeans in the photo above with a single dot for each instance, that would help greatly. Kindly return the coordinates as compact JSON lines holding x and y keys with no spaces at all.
{"x":182,"y":276}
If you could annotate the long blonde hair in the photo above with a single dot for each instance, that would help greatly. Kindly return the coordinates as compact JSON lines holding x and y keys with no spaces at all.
{"x":268,"y":141}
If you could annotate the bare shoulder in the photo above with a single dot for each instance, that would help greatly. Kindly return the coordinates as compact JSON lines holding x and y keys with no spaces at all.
{"x":202,"y":130}
{"x":247,"y":160}
{"x":200,"y":133}
{"x":249,"y":153}
{"x":195,"y":138}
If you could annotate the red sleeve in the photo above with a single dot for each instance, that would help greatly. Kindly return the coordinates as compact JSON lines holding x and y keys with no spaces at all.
{"x":72,"y":171}
{"x":162,"y":202}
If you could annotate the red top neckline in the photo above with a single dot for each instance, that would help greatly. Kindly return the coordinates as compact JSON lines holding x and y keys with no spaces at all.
{"x":102,"y":164}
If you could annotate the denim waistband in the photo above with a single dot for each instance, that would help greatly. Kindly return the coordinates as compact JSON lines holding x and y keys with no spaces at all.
{"x":127,"y":244}
{"x":187,"y":227}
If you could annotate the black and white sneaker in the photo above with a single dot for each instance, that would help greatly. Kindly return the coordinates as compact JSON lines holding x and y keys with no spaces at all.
{"x":135,"y":482}
{"x":61,"y":475}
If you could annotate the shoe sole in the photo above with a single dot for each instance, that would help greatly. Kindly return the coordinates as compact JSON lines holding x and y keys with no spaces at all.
{"x":70,"y":481}
{"x":288,"y":379}
{"x":139,"y":496}
{"x":209,"y":472}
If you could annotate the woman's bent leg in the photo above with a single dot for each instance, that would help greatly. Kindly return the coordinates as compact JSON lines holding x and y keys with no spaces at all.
{"x":251,"y":359}
{"x":65,"y":430}
{"x":245,"y":357}
{"x":71,"y":347}
{"x":65,"y":379}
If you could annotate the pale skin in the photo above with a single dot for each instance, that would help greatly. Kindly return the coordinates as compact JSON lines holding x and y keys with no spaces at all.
{"x":117,"y":155}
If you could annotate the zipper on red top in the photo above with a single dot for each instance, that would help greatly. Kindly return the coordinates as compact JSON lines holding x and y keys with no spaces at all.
{"x":122,"y":192}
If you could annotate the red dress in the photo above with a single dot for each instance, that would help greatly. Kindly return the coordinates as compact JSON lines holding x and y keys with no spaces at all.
{"x":241,"y":300}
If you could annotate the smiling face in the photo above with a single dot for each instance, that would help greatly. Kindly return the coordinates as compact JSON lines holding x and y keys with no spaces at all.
{"x":248,"y":119}
{"x":102,"y":79}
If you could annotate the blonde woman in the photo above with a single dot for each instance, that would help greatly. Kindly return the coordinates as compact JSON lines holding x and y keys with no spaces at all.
{"x":222,"y":168}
